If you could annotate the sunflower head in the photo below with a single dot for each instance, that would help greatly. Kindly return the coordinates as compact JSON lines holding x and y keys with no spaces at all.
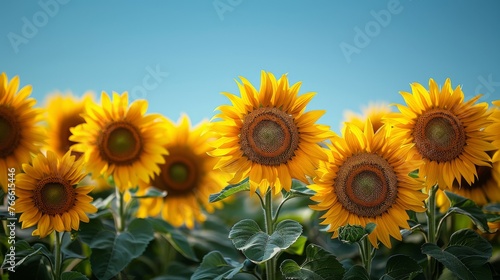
{"x":187,"y":175}
{"x":120,"y":140}
{"x":64,"y":112}
{"x":20,"y":132}
{"x":266,"y":135}
{"x":48,"y":195}
{"x":367,"y":181}
{"x":448,"y":132}
{"x":376,"y":112}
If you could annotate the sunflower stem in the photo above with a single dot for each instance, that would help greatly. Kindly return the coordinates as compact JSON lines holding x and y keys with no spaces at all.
{"x":431,"y":231}
{"x":268,"y":212}
{"x":366,"y":251}
{"x":120,"y":205}
{"x":58,"y":257}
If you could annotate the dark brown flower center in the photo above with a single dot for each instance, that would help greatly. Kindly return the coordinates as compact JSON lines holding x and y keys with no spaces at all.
{"x":120,"y":143}
{"x":269,"y":136}
{"x":439,"y":135}
{"x":366,"y":185}
{"x":10,"y":132}
{"x":180,"y":174}
{"x":65,"y":133}
{"x":54,"y":195}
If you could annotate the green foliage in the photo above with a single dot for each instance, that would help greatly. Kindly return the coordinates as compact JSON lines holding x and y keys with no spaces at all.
{"x":466,"y":255}
{"x":469,"y":208}
{"x":356,"y":272}
{"x":400,"y":267}
{"x":230,"y":190}
{"x":215,"y":267}
{"x":174,"y":236}
{"x":319,"y":264}
{"x":151,"y":192}
{"x":298,"y":189}
{"x":257,"y":245}
{"x":73,"y":275}
{"x":354,"y":233}
{"x":112,"y":252}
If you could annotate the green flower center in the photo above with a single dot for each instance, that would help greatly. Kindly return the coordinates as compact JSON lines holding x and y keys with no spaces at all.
{"x":181,"y":173}
{"x":53,"y":195}
{"x":120,"y":143}
{"x":366,"y":185}
{"x":439,"y":135}
{"x":269,"y":136}
{"x":10,"y":133}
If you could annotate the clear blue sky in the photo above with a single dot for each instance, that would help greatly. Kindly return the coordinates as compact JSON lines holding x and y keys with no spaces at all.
{"x":350,"y":52}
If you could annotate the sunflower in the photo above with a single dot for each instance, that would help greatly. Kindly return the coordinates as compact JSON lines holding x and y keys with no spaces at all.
{"x":448,"y":132}
{"x":367,"y":181}
{"x":266,"y":135}
{"x":121,"y":141}
{"x":375,"y":112}
{"x":48,"y":195}
{"x":188,"y":177}
{"x":20,"y":134}
{"x":63,"y":113}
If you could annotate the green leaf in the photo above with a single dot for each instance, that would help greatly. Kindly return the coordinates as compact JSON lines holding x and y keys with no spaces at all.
{"x":356,"y":272}
{"x":469,"y":208}
{"x":298,"y":189}
{"x":215,"y":267}
{"x":454,"y":263}
{"x":175,"y":237}
{"x":151,"y":192}
{"x":298,"y":246}
{"x":73,"y":275}
{"x":470,"y":247}
{"x":257,"y":245}
{"x":230,"y":190}
{"x":401,"y":267}
{"x":319,"y":264}
{"x":89,"y":230}
{"x":111,"y":253}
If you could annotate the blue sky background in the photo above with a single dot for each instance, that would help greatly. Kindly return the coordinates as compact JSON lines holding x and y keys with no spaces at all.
{"x":204,"y":45}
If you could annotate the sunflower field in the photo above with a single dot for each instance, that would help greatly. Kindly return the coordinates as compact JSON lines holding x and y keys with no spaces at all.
{"x":99,"y":188}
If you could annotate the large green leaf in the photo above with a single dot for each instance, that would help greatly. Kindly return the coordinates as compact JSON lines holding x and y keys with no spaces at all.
{"x":175,"y":237}
{"x":401,"y":267}
{"x":215,"y":267}
{"x":356,"y":272}
{"x":470,"y":247}
{"x":466,"y":255}
{"x":297,"y":248}
{"x":469,"y":208}
{"x":319,"y":265}
{"x":230,"y":190}
{"x":257,"y":245}
{"x":111,"y":253}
